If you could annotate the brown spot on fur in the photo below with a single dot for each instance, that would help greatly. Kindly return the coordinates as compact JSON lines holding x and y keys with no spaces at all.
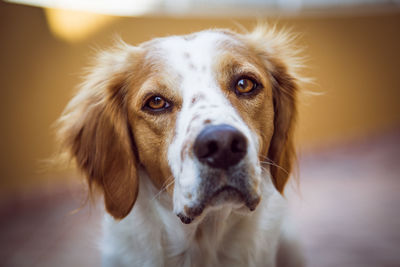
{"x":197,"y":98}
{"x":186,"y":148}
{"x":208,"y":121}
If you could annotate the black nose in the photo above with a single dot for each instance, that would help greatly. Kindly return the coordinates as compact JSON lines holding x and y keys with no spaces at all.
{"x":220,"y":146}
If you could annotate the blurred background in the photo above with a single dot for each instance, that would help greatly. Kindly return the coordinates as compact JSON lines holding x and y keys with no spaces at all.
{"x":347,"y":206}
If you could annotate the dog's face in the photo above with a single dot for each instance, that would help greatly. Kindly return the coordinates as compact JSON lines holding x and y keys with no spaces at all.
{"x":208,"y":116}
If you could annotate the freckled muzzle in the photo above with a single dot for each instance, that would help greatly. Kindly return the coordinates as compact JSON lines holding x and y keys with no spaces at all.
{"x":226,"y":177}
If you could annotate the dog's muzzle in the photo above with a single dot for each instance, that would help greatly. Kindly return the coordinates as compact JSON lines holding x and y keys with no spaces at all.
{"x":220,"y":150}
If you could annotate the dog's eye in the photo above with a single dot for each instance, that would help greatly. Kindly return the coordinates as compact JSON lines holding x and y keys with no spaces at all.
{"x":245,"y":86}
{"x":157,"y":103}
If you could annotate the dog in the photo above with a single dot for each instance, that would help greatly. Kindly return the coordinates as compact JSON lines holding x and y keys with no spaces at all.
{"x":190,"y":140}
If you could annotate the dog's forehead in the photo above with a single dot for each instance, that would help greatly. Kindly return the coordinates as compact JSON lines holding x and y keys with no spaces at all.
{"x":199,"y":48}
{"x":192,"y":57}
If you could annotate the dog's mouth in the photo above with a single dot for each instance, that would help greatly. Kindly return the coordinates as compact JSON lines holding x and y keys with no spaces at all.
{"x":220,"y":196}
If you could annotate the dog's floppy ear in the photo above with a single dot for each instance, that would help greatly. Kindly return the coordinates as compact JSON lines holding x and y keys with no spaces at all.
{"x":281,"y":62}
{"x":95,"y":131}
{"x":281,"y":151}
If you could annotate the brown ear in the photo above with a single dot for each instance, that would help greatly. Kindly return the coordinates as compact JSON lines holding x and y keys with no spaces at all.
{"x":281,"y":151}
{"x":277,"y":52}
{"x":95,"y":131}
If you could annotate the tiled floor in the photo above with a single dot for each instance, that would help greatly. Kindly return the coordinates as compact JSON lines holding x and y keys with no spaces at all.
{"x":347,"y":214}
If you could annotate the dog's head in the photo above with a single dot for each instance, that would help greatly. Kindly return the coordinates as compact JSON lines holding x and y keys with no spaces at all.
{"x":208,"y":116}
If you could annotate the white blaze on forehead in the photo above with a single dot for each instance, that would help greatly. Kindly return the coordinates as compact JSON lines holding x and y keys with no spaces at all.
{"x":193,"y":57}
{"x":198,"y":49}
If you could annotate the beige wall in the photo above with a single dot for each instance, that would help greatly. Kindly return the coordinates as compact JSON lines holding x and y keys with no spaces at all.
{"x":355,"y":61}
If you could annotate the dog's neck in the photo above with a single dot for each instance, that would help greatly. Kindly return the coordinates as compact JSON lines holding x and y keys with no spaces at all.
{"x":220,"y":237}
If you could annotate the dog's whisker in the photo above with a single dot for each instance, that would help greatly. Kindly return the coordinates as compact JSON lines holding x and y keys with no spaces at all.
{"x":271,"y":163}
{"x":275,"y":165}
{"x":168,"y":182}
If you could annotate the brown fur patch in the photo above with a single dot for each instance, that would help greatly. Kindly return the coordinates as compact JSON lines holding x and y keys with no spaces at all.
{"x":108,"y":134}
{"x":256,"y":110}
{"x":154,"y":132}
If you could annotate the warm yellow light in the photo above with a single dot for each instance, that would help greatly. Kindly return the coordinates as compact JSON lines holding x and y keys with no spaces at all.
{"x":72,"y":25}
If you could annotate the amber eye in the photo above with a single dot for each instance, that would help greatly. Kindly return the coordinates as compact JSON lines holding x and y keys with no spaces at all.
{"x":245,"y":85}
{"x":157,"y":103}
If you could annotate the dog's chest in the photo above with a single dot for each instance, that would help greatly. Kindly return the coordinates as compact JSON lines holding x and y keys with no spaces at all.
{"x":233,"y":251}
{"x":152,"y":236}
